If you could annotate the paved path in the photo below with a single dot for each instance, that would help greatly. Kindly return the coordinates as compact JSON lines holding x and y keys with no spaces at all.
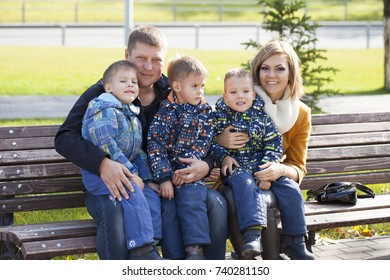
{"x":27,"y":107}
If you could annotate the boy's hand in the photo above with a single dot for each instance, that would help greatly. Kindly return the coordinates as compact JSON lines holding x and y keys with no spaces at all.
{"x":167,"y":190}
{"x":155,"y":187}
{"x":227,"y":165}
{"x":138,"y":181}
{"x":264,"y":185}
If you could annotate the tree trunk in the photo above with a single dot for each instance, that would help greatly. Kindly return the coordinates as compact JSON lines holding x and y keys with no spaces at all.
{"x":386,"y":38}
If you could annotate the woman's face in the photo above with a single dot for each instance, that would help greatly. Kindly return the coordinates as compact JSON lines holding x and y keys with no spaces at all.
{"x":273,"y":76}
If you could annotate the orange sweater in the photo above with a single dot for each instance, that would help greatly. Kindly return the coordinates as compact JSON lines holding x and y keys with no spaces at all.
{"x":296,"y":140}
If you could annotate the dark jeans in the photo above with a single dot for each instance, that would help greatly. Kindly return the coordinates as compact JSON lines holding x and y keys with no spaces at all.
{"x":290,"y":203}
{"x":172,"y":243}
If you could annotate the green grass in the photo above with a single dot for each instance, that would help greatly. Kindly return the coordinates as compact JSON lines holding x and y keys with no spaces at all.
{"x":186,"y":11}
{"x":71,"y":70}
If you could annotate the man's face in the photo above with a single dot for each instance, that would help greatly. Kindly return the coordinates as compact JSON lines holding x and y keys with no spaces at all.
{"x":149,"y":61}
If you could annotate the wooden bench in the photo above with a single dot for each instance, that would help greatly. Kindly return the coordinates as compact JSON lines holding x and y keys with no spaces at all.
{"x":348,"y":147}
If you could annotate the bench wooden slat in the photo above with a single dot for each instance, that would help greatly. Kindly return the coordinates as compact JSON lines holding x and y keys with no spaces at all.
{"x":350,"y":128}
{"x":379,"y":202}
{"x":40,"y":186}
{"x":349,"y":139}
{"x":61,"y":247}
{"x":319,"y":119}
{"x":33,"y":203}
{"x":348,"y":152}
{"x":347,"y":165}
{"x":26,"y":143}
{"x":48,"y":231}
{"x":51,"y":170}
{"x":30,"y":156}
{"x":364,"y":178}
{"x":28,"y":131}
{"x":333,"y":220}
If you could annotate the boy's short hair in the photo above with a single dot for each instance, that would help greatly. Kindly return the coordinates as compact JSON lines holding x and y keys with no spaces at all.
{"x":114,"y":67}
{"x":238,"y":72}
{"x":148,"y":35}
{"x":181,"y":67}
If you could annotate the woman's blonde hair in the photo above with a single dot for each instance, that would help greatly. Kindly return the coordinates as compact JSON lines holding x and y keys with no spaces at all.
{"x":281,"y":47}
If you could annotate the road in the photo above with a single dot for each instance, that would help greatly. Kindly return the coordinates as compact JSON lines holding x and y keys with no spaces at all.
{"x":215,"y":36}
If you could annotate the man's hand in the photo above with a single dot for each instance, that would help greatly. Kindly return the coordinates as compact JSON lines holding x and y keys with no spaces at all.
{"x":264,"y":185}
{"x":232,"y":140}
{"x":115,"y":175}
{"x":196,"y":170}
{"x":155,"y":187}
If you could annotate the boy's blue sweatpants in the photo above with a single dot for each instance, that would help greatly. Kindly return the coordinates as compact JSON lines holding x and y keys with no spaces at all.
{"x":250,"y":201}
{"x":191,"y":210}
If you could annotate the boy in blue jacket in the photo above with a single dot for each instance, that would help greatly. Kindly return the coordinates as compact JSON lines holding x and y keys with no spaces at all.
{"x":183,"y":129}
{"x":110,"y":122}
{"x":242,"y":109}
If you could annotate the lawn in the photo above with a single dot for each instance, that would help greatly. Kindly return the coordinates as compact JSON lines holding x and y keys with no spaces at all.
{"x":70,"y":70}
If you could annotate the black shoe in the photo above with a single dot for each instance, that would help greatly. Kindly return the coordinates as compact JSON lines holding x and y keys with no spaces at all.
{"x":144,"y":253}
{"x":294,"y":247}
{"x":194,"y":252}
{"x":252,"y":247}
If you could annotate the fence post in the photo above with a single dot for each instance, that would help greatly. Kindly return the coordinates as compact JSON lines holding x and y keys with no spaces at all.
{"x":174,"y":11}
{"x":220,"y":10}
{"x":24,"y":11}
{"x":76,"y":11}
{"x":63,"y":34}
{"x":368,"y":35}
{"x":196,"y":36}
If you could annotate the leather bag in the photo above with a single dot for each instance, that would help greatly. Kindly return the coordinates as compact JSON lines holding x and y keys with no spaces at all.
{"x":340,"y":192}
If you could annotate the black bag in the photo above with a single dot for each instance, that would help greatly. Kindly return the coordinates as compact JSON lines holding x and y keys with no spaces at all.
{"x":340,"y":192}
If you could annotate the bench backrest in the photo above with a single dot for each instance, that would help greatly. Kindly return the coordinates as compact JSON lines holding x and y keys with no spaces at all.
{"x":349,"y":147}
{"x":33,"y":176}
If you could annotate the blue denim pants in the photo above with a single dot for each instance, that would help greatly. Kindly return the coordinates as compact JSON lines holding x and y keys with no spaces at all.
{"x":250,"y":201}
{"x":172,"y":242}
{"x":109,"y":217}
{"x":291,"y":206}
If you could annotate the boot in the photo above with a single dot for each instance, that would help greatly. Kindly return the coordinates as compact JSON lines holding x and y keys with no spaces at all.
{"x":252,"y":244}
{"x":295,"y":248}
{"x":144,"y":253}
{"x":194,"y":252}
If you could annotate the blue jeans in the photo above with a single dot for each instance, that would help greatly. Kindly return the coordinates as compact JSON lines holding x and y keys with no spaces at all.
{"x":172,"y":243}
{"x":291,"y":206}
{"x":109,"y":217}
{"x":250,"y":201}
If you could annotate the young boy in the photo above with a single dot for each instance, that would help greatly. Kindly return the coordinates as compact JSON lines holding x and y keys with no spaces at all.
{"x":243,"y":110}
{"x":111,"y":124}
{"x":183,"y":129}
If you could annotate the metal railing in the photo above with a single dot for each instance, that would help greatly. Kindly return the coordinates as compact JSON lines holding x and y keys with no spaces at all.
{"x":188,"y":35}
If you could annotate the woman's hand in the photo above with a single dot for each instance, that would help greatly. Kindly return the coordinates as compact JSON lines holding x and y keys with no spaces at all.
{"x":271,"y":171}
{"x":232,"y":140}
{"x":115,"y":176}
{"x":196,"y":170}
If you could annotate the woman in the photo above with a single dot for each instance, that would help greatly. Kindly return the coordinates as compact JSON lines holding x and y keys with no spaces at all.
{"x":277,"y":78}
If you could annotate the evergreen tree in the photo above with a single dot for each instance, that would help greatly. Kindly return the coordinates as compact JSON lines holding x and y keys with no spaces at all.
{"x":288,"y":20}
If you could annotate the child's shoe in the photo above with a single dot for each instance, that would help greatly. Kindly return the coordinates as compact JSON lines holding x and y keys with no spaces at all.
{"x":194,"y":252}
{"x":144,"y":253}
{"x":252,"y":247}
